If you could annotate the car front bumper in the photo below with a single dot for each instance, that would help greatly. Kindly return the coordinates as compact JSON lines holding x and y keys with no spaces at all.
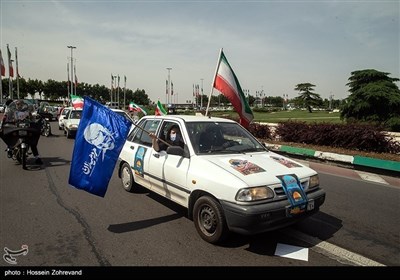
{"x":252,"y":219}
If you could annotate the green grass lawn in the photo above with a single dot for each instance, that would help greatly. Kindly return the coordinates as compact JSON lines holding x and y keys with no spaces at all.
{"x":295,"y":115}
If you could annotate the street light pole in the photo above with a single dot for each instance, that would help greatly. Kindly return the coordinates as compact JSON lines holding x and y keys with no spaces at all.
{"x":72,"y":72}
{"x":201,"y":97}
{"x":169,"y":84}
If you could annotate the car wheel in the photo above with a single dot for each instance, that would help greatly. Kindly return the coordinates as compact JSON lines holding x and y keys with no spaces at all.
{"x":128,"y":182}
{"x":209,"y":220}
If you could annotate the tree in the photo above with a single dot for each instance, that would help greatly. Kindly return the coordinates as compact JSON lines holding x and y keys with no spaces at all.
{"x":308,"y":98}
{"x":374,"y":97}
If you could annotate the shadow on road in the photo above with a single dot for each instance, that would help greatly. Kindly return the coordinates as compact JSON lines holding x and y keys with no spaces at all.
{"x":54,"y":161}
{"x":132,"y":226}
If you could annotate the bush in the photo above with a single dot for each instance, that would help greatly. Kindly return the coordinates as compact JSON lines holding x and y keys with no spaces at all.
{"x":361,"y":137}
{"x":393,"y":124}
{"x":260,"y":131}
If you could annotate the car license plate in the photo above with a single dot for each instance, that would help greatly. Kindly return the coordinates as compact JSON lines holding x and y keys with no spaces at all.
{"x":22,"y":133}
{"x":295,"y":210}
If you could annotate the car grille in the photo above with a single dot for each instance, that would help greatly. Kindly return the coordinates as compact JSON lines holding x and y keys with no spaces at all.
{"x":281,"y":193}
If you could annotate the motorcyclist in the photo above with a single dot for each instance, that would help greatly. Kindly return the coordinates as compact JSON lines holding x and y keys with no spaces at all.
{"x":19,"y":111}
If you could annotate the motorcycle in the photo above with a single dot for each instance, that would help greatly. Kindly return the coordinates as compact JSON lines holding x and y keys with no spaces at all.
{"x":19,"y":138}
{"x":19,"y":132}
{"x":45,"y":128}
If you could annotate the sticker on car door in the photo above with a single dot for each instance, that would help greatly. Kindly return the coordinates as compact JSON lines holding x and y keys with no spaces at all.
{"x":138,"y":165}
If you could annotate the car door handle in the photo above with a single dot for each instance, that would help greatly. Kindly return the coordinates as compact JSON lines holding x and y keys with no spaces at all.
{"x":156,"y":155}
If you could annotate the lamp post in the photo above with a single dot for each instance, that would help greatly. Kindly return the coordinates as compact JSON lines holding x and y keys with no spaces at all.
{"x":72,"y":71}
{"x":169,"y":84}
{"x":201,"y":97}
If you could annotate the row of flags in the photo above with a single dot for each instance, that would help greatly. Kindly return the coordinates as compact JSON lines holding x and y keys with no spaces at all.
{"x":78,"y":102}
{"x":102,"y":133}
{"x":10,"y":66}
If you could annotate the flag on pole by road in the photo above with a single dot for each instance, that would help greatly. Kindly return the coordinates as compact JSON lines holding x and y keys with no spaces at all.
{"x":10,"y":67}
{"x":227,"y":83}
{"x":2,"y":66}
{"x":16,"y":63}
{"x":99,"y":140}
{"x":77,"y":101}
{"x":76,"y":78}
{"x":160,"y":111}
{"x":133,"y":107}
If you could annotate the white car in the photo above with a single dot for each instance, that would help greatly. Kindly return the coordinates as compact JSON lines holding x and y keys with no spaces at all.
{"x":62,"y":115}
{"x":225,"y":177}
{"x":71,"y":122}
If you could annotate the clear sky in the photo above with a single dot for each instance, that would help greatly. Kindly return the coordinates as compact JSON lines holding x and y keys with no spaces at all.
{"x":271,"y":45}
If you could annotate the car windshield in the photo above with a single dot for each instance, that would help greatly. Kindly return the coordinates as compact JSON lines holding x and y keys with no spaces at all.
{"x":221,"y":138}
{"x":76,"y":115}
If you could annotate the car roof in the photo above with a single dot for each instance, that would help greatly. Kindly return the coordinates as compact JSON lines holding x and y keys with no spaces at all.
{"x":116,"y":110}
{"x":190,"y":118}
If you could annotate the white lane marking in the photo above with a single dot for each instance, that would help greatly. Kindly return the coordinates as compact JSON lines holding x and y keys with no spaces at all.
{"x":332,"y":251}
{"x":371,"y":177}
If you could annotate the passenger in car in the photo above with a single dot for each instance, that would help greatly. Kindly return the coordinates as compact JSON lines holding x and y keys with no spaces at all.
{"x":174,"y":138}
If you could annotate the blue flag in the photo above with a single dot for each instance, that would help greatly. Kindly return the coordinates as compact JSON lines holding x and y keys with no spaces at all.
{"x":99,"y":140}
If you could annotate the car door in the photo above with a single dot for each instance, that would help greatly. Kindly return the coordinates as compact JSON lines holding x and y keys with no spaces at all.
{"x":168,"y":173}
{"x":138,"y":148}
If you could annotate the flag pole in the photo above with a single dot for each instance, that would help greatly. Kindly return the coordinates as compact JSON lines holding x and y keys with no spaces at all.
{"x":75,"y":83}
{"x":68,"y":97}
{"x":213,"y":81}
{"x":124,"y":92}
{"x":16,"y":67}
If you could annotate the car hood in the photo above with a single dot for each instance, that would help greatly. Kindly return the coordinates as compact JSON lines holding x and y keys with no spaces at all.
{"x":260,"y":168}
{"x":73,"y":121}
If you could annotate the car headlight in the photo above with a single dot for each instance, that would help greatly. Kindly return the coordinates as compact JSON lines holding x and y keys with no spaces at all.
{"x":72,"y":126}
{"x":252,"y":194}
{"x":314,"y":182}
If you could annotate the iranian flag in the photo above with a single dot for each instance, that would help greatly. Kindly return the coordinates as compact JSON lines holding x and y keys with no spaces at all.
{"x":3,"y":67}
{"x":227,"y":83}
{"x":77,"y":101}
{"x":10,"y":67}
{"x":160,"y":111}
{"x":136,"y":108}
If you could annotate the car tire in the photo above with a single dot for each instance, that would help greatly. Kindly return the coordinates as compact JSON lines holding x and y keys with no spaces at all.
{"x":209,"y":220}
{"x":127,"y":179}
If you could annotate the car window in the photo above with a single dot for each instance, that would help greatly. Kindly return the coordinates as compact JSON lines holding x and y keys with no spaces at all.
{"x":166,"y":128}
{"x":75,"y":115}
{"x":218,"y":138}
{"x":64,"y":112}
{"x":141,"y":136}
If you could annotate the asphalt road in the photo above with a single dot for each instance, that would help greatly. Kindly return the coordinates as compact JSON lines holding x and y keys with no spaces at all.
{"x":63,"y":226}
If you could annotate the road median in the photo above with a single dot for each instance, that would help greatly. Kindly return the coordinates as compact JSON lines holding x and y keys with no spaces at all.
{"x":361,"y":161}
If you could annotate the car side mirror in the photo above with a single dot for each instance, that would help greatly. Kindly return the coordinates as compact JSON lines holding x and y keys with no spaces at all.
{"x":178,"y":151}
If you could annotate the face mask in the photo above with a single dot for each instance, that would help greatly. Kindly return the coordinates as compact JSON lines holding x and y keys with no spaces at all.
{"x":173,"y":136}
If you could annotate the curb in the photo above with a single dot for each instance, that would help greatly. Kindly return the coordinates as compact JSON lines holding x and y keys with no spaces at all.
{"x":353,"y":160}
